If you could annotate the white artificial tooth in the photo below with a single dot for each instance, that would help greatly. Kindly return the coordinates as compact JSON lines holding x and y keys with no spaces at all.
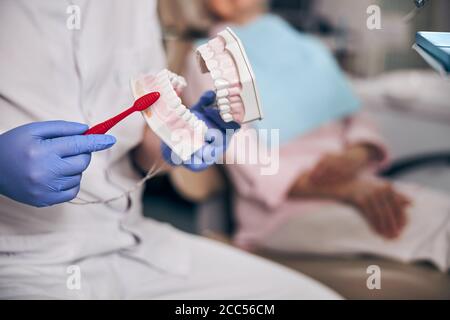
{"x":222,"y":93}
{"x":203,"y":127}
{"x":180,"y":110}
{"x":221,"y":84}
{"x":212,"y":64}
{"x":234,"y":91}
{"x":226,"y":63}
{"x":202,"y":48}
{"x":216,"y":74}
{"x":172,"y":74}
{"x":229,"y":73}
{"x":213,"y":42}
{"x":227,"y":117}
{"x":207,"y":54}
{"x":193,"y":121}
{"x":178,"y":81}
{"x":217,"y":44}
{"x":205,"y":51}
{"x":179,"y":89}
{"x":172,"y":95}
{"x":162,"y":76}
{"x":182,"y":82}
{"x":161,"y":81}
{"x":224,"y":108}
{"x":222,"y":101}
{"x":166,"y":90}
{"x":173,"y":103}
{"x":161,"y":87}
{"x":187,"y":115}
{"x":197,"y":124}
{"x":235,"y":99}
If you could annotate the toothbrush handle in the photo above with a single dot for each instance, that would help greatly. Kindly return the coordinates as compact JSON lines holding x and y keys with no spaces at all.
{"x":105,"y":126}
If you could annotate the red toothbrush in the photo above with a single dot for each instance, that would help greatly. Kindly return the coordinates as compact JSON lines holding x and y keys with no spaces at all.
{"x":140,"y":104}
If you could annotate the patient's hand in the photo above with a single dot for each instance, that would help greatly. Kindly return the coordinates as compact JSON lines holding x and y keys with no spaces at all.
{"x":381,"y":205}
{"x":341,"y":167}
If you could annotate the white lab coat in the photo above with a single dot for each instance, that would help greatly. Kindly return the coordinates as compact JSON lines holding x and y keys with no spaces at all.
{"x":50,"y":72}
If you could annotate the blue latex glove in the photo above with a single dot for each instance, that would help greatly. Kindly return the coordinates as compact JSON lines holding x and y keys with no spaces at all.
{"x":216,"y":136}
{"x":41,"y":163}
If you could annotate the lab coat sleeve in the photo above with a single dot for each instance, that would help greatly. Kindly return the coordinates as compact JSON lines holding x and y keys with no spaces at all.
{"x":360,"y":129}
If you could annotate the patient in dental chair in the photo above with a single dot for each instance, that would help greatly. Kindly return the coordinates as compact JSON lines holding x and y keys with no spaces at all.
{"x":326,"y":197}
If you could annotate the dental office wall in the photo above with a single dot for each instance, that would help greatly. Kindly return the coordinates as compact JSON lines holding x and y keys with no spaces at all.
{"x":371,"y":52}
{"x":341,"y":24}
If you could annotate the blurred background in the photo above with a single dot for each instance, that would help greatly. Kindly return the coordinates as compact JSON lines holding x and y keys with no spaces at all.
{"x":409,"y":101}
{"x":341,"y":24}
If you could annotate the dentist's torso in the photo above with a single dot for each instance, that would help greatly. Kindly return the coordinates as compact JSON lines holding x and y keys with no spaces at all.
{"x":52,"y":70}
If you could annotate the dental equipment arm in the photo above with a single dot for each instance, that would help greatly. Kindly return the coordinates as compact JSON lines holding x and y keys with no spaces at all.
{"x":420,"y":3}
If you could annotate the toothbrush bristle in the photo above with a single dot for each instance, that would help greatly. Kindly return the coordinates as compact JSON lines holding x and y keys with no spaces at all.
{"x":146,"y":101}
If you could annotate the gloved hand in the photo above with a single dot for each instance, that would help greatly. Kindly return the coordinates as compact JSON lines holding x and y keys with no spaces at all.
{"x":216,"y":136}
{"x":41,"y":163}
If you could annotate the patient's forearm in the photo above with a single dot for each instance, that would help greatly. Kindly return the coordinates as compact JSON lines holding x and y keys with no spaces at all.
{"x":303,"y":188}
{"x":148,"y":153}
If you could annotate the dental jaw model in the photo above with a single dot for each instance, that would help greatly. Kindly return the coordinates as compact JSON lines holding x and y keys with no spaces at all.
{"x":225,"y":59}
{"x":179,"y":128}
{"x":236,"y":95}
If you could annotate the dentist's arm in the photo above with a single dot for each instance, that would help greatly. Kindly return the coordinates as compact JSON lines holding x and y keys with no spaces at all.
{"x":41,"y":163}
